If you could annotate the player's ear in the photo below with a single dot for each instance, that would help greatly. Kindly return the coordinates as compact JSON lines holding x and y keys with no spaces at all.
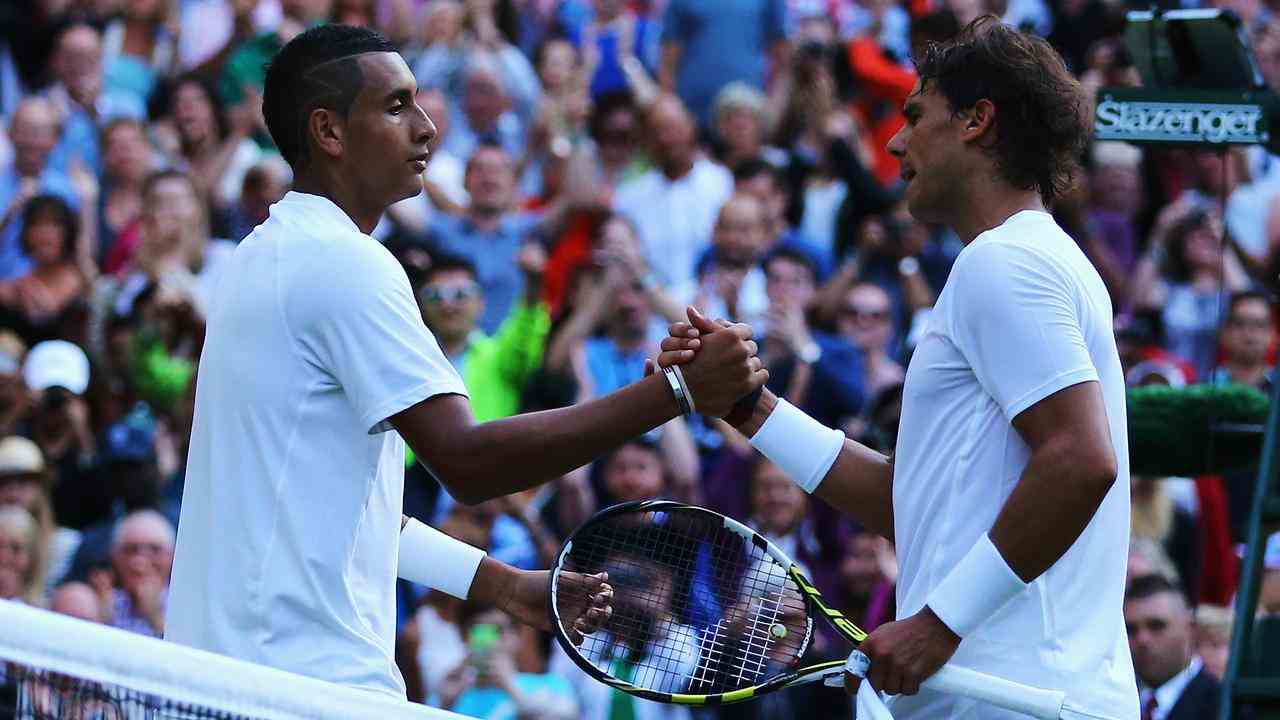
{"x":979,"y":119}
{"x":326,"y":131}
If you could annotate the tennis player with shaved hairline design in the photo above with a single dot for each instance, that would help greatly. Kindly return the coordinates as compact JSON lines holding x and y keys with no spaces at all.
{"x":291,"y":535}
{"x":1007,"y":494}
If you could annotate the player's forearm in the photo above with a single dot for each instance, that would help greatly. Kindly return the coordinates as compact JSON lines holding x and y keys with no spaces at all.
{"x":859,"y":483}
{"x":1054,"y":500}
{"x":516,"y":453}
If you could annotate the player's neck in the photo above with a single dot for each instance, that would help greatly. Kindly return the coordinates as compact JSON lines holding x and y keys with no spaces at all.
{"x":989,"y":206}
{"x":330,"y":186}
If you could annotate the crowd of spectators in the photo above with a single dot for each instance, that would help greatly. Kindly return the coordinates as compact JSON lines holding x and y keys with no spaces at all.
{"x":600,"y":164}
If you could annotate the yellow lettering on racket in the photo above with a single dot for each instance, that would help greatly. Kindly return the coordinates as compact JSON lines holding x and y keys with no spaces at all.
{"x":836,"y":617}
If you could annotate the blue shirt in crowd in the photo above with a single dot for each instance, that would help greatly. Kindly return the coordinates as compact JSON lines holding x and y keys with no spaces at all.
{"x":493,"y":254}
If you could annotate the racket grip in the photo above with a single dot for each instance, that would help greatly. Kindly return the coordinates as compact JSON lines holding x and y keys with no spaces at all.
{"x":1034,"y":701}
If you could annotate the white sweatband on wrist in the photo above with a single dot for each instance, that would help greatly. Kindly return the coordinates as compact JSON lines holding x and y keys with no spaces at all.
{"x":804,"y":448}
{"x":429,"y":557}
{"x":975,"y":589}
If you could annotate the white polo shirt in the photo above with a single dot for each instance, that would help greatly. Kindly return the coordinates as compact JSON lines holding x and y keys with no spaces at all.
{"x":1022,"y":316}
{"x":288,"y":538}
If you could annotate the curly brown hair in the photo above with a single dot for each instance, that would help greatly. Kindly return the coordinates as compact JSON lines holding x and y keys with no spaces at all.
{"x":1041,"y":131}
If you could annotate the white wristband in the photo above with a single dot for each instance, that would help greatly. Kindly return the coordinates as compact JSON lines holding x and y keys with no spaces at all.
{"x":975,"y":589}
{"x":804,"y":448}
{"x":429,"y":557}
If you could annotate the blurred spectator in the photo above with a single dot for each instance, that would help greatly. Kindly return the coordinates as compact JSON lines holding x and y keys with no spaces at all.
{"x":868,"y":574}
{"x":1248,"y":338}
{"x":1213,"y":638}
{"x":25,"y":483}
{"x":209,"y":144}
{"x":264,"y":184}
{"x":224,"y":26}
{"x":615,"y":128}
{"x":22,"y":563}
{"x":34,"y":130}
{"x":1155,"y":516}
{"x":141,"y":558}
{"x":491,"y":233}
{"x":708,"y":46}
{"x":493,"y":89}
{"x":1192,"y":288}
{"x":85,"y":101}
{"x":139,"y":47}
{"x":487,"y":685}
{"x":77,"y":600}
{"x":731,"y":281}
{"x":171,"y":246}
{"x":620,"y":49}
{"x":1116,"y":196}
{"x":57,"y":374}
{"x":240,"y":84}
{"x":1172,"y":680}
{"x":740,"y":124}
{"x":495,"y":369}
{"x":1140,"y":341}
{"x":127,"y":159}
{"x":611,"y":299}
{"x":674,"y":205}
{"x":814,"y":370}
{"x":866,"y":321}
{"x":43,"y":302}
{"x":15,"y":400}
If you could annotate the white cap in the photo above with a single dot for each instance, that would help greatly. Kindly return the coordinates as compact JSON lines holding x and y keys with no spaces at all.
{"x":56,"y":363}
{"x":20,"y":456}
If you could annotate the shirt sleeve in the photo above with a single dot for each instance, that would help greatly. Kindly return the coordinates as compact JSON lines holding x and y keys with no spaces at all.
{"x":1014,"y":318}
{"x":364,"y":328}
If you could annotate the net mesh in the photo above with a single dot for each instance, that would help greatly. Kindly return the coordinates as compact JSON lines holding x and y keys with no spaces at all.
{"x":57,"y":668}
{"x":698,"y":608}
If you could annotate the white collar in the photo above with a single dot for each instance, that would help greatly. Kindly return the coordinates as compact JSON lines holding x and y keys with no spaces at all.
{"x":319,"y":208}
{"x":1167,"y":694}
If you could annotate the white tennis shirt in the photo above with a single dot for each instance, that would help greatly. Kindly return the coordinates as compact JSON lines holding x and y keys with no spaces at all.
{"x":1022,"y":316}
{"x":288,"y":538}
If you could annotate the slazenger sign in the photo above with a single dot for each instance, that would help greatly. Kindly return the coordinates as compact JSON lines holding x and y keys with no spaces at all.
{"x":1179,"y":122}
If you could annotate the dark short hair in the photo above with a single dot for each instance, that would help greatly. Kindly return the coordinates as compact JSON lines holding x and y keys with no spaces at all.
{"x":1147,"y":586}
{"x":317,"y":69}
{"x":1245,"y":296}
{"x":1040,"y":132}
{"x":166,"y":98}
{"x":42,"y":205}
{"x":448,"y":263}
{"x":795,"y":255}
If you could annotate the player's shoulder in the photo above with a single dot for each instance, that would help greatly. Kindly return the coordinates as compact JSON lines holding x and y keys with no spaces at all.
{"x":1027,"y":242}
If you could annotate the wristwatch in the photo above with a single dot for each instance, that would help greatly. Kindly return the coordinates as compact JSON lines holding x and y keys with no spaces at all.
{"x":908,"y":266}
{"x":809,"y":353}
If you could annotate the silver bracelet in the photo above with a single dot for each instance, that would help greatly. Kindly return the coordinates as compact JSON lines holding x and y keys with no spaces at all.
{"x":677,"y":388}
{"x":688,"y":394}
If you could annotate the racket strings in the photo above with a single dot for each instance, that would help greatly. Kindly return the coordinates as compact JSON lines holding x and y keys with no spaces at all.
{"x":697,"y":608}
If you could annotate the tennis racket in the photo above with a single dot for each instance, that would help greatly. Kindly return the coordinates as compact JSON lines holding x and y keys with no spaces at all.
{"x":706,"y":611}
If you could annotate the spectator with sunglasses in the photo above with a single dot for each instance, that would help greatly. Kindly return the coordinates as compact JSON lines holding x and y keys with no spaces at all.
{"x":494,"y":368}
{"x":865,"y":320}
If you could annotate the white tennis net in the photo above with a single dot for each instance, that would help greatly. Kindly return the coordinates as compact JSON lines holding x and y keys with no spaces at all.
{"x":58,"y":668}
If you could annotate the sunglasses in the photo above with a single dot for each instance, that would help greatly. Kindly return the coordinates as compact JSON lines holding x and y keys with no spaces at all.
{"x":450,"y":294}
{"x":858,"y":313}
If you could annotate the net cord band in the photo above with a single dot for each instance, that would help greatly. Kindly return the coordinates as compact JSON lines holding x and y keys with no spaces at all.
{"x":975,"y":589}
{"x":64,"y":645}
{"x":804,"y":448}
{"x":429,"y":557}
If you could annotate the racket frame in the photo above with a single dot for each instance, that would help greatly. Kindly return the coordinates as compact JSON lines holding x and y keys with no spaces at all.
{"x":812,"y":598}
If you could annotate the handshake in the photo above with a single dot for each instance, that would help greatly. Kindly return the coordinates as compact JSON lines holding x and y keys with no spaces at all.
{"x":717,"y":359}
